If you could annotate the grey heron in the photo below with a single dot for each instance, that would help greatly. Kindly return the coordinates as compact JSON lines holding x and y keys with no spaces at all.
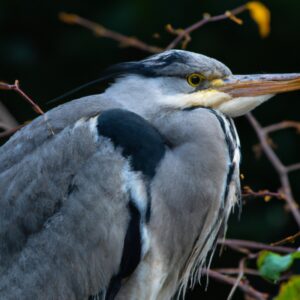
{"x":125,"y":196}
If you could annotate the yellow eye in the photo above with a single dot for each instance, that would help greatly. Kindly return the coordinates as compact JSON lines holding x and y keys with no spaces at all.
{"x":195,"y":79}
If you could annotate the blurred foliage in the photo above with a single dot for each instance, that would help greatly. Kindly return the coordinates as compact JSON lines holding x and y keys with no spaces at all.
{"x":290,"y":290}
{"x":271,"y":265}
{"x":49,"y":58}
{"x":262,"y":16}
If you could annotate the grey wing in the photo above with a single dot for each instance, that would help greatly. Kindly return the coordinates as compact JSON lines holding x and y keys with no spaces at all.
{"x":41,"y":129}
{"x":63,"y":208}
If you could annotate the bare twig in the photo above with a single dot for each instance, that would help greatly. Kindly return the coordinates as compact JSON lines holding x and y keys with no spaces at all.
{"x":7,"y":121}
{"x":4,"y":126}
{"x":101,"y":31}
{"x":282,"y":125}
{"x":234,"y":271}
{"x":238,"y":279}
{"x":126,"y":41}
{"x":246,"y":288}
{"x":255,"y":245}
{"x":279,"y":167}
{"x":239,"y":249}
{"x":266,"y":194}
{"x":10,"y":132}
{"x":289,"y":239}
{"x":247,"y":271}
{"x":16,"y":87}
{"x":292,"y":168}
{"x":206,"y":19}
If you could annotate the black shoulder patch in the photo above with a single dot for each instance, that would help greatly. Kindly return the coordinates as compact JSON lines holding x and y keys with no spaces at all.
{"x":138,"y":139}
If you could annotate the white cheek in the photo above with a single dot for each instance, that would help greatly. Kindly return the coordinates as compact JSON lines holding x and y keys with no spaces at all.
{"x":240,"y":106}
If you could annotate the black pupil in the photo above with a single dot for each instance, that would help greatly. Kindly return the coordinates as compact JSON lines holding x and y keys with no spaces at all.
{"x":195,"y":79}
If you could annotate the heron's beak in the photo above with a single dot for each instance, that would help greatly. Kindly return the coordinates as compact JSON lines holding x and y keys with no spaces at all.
{"x":257,"y":85}
{"x":242,"y":93}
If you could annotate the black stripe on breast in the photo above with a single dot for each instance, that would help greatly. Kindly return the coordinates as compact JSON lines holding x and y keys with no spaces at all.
{"x":229,"y":178}
{"x":132,"y":245}
{"x":131,"y":255}
{"x":132,"y":250}
{"x":226,"y":134}
{"x":138,"y":139}
{"x":232,"y":166}
{"x":230,"y":146}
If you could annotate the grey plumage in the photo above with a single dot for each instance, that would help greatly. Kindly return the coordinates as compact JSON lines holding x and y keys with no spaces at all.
{"x":73,"y":201}
{"x":49,"y":224}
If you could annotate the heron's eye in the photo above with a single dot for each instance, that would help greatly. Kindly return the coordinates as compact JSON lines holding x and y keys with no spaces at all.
{"x":195,"y":79}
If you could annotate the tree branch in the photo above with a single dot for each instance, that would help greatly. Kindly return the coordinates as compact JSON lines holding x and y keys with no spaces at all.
{"x":234,"y":271}
{"x":16,"y":87}
{"x":238,"y":279}
{"x":282,"y":125}
{"x":9,"y":132}
{"x":267,"y":195}
{"x":255,"y":245}
{"x":101,"y":31}
{"x":279,"y":167}
{"x":206,"y":19}
{"x":247,"y":289}
{"x":289,"y":239}
{"x":7,"y":121}
{"x":126,"y":41}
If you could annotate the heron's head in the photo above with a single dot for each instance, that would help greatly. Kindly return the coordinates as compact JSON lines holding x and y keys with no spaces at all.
{"x":181,"y":80}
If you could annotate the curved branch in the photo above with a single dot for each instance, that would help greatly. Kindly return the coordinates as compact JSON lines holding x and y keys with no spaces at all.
{"x":247,"y":289}
{"x":206,"y":19}
{"x":279,"y":167}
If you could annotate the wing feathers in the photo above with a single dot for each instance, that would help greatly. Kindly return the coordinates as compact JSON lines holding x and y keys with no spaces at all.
{"x":73,"y":208}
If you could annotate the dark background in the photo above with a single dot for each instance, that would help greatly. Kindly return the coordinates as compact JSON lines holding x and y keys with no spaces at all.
{"x":49,"y":58}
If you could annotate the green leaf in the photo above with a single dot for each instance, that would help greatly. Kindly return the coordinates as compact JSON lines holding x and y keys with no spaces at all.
{"x":296,"y":254}
{"x":271,"y":265}
{"x":290,"y":290}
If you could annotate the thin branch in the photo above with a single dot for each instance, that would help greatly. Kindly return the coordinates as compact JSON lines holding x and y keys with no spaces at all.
{"x":247,"y":289}
{"x":279,"y":167}
{"x":292,"y":168}
{"x":282,"y":125}
{"x":289,"y":239}
{"x":238,"y":279}
{"x":127,"y":41}
{"x":234,"y":271}
{"x":266,"y":194}
{"x":10,"y":132}
{"x":6,"y":118}
{"x":206,"y":19}
{"x":16,"y":87}
{"x":4,"y":126}
{"x":255,"y":245}
{"x":101,"y":31}
{"x":247,"y":271}
{"x":239,"y":249}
